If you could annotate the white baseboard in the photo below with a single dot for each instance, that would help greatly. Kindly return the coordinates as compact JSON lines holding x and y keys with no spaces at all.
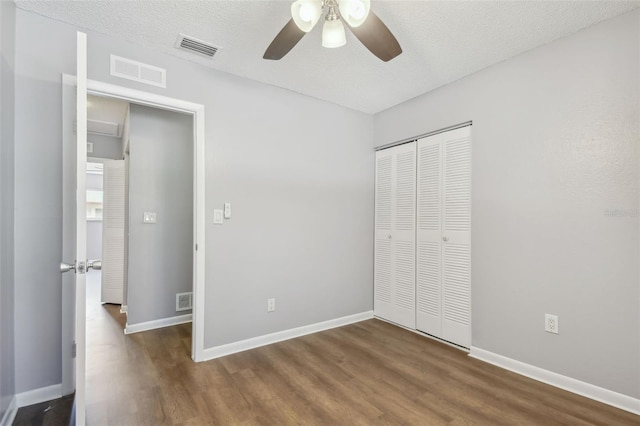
{"x":10,"y":414}
{"x":152,"y":325}
{"x":39,"y":395}
{"x":615,"y":399}
{"x":267,"y":339}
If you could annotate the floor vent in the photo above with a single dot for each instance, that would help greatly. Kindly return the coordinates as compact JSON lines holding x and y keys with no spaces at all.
{"x":196,"y":46}
{"x":184,"y":301}
{"x":137,"y":71}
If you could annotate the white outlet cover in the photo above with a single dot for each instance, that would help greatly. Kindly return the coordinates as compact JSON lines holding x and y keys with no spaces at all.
{"x":551,"y":323}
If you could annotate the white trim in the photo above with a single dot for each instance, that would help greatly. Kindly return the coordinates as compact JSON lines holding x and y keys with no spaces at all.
{"x":123,"y":309}
{"x":10,"y":414}
{"x":36,"y":396}
{"x":197,"y":110}
{"x":615,"y":399}
{"x":152,"y":325}
{"x":267,"y":339}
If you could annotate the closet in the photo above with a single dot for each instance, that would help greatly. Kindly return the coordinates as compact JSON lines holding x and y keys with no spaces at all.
{"x":422,"y":266}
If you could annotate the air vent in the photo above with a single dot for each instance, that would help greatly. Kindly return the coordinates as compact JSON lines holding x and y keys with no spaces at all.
{"x":137,"y":71}
{"x":184,"y":301}
{"x":197,"y":46}
{"x":103,"y":128}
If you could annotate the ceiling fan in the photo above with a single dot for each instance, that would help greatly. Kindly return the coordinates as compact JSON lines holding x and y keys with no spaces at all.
{"x":362,"y":22}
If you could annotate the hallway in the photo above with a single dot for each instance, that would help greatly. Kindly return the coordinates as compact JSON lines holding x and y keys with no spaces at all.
{"x":131,"y":379}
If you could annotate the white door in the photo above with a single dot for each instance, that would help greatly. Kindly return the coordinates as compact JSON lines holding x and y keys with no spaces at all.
{"x":429,"y":237}
{"x":113,"y":231}
{"x":74,"y":264}
{"x":394,"y":265}
{"x":444,"y":236}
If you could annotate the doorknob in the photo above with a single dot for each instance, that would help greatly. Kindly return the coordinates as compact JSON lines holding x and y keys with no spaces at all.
{"x":66,"y":267}
{"x":445,"y":239}
{"x":96,"y":265}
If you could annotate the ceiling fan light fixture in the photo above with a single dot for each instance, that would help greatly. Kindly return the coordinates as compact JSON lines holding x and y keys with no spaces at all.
{"x":333,"y":34}
{"x":306,"y":13}
{"x":355,"y":12}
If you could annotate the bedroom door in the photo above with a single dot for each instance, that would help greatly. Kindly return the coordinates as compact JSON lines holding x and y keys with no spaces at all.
{"x":74,"y":248}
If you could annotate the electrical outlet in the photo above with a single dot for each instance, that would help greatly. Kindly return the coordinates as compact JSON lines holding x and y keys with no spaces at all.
{"x":271,"y":305}
{"x":551,"y":323}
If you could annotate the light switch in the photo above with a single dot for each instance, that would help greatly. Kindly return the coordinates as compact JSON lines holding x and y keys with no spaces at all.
{"x":218,"y":216}
{"x":149,"y":217}
{"x":227,"y":210}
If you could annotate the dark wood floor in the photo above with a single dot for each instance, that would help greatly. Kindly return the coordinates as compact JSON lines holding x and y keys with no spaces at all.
{"x":363,"y":374}
{"x":56,"y":412}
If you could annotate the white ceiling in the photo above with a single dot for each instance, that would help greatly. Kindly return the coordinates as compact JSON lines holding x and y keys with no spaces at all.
{"x":442,"y":40}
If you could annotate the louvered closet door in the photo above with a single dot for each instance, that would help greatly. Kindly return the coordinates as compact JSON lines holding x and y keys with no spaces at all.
{"x":429,"y":237}
{"x":394,"y":269}
{"x":443,"y":281}
{"x":456,"y":231}
{"x":113,"y":235}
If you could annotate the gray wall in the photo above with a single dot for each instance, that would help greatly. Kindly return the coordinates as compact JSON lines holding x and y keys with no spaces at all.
{"x":297,"y":170}
{"x":7,"y":350}
{"x":105,"y":147}
{"x":555,"y":146}
{"x":94,"y":239}
{"x":160,"y":180}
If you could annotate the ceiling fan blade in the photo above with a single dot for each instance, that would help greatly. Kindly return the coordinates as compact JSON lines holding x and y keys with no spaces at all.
{"x":376,"y":37}
{"x":288,"y":37}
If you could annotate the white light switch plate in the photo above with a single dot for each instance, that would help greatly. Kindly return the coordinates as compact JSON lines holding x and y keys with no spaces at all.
{"x":218,"y":217}
{"x":149,"y":217}
{"x":227,"y":210}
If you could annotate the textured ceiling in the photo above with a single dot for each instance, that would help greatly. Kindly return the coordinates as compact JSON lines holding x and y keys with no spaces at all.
{"x":442,"y":40}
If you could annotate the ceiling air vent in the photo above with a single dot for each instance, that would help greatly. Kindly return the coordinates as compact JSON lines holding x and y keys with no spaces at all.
{"x":137,"y":71}
{"x":197,"y":46}
{"x":103,"y":128}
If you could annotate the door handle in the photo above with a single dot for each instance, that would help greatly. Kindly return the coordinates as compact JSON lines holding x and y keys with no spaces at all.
{"x":445,"y":239}
{"x":66,"y":267}
{"x":96,"y":265}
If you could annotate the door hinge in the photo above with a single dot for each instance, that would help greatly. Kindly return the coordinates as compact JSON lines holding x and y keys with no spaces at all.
{"x":73,"y":349}
{"x":196,"y":247}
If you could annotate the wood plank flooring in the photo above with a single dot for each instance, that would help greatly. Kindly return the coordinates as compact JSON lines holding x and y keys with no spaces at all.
{"x":56,"y":412}
{"x":369,"y":373}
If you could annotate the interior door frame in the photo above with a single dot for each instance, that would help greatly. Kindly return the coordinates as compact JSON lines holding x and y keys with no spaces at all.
{"x":99,"y":88}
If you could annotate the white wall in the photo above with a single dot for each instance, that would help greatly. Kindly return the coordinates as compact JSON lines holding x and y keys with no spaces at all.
{"x":160,"y":255}
{"x":298,"y":171}
{"x":7,"y":349}
{"x":555,"y":147}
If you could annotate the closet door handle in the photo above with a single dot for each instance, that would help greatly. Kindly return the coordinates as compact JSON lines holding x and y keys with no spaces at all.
{"x":389,"y":236}
{"x":445,"y":239}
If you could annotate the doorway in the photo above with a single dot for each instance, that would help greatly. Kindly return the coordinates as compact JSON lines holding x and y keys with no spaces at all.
{"x":196,"y":115}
